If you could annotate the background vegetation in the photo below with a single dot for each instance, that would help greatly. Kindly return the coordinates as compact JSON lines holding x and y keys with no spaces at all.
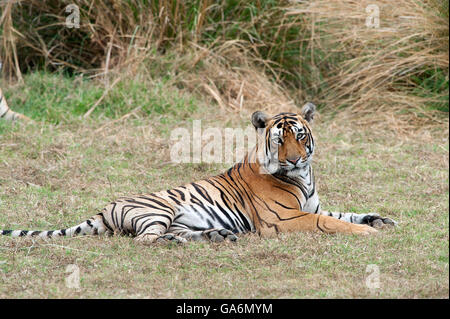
{"x":105,"y":97}
{"x":248,"y":53}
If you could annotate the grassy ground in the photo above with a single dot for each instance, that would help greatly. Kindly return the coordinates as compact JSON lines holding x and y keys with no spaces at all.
{"x":60,"y":171}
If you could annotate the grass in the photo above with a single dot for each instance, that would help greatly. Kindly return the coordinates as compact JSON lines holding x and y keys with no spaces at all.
{"x":62,"y":169}
{"x":58,"y":98}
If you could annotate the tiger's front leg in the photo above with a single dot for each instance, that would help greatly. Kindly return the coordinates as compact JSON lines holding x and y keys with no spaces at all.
{"x":315,"y":223}
{"x":371,"y":219}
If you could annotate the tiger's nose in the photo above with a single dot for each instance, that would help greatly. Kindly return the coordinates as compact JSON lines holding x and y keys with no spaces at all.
{"x":293,"y":160}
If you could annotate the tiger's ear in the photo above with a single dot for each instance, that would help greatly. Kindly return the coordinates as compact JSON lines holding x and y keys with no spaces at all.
{"x":308,"y":111}
{"x":259,"y":119}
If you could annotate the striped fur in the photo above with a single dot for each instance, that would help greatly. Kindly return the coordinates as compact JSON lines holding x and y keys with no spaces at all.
{"x":271,"y":190}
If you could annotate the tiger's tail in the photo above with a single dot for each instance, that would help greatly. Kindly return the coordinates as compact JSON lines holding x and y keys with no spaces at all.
{"x":92,"y":226}
{"x":7,"y":114}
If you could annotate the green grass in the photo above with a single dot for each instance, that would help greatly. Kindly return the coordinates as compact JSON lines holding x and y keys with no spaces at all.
{"x":433,"y":84}
{"x":62,"y":169}
{"x":55,"y":98}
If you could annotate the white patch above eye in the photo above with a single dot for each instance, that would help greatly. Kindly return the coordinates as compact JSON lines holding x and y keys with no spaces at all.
{"x":299,"y":132}
{"x":275,"y":131}
{"x":298,"y":129}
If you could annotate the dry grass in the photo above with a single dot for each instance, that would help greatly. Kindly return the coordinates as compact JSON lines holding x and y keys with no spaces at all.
{"x":229,"y":75}
{"x":384,"y":69}
{"x":251,"y":54}
{"x":56,"y":176}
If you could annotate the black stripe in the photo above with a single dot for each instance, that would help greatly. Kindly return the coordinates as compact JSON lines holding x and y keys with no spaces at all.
{"x":203,"y":192}
{"x":124,"y":214}
{"x":226,"y":189}
{"x":7,"y":110}
{"x":113,"y":215}
{"x":169,"y":191}
{"x":295,"y":196}
{"x":318,"y":217}
{"x":231,"y":219}
{"x":317,"y":209}
{"x":284,"y":206}
{"x":134,"y":201}
{"x":196,"y":201}
{"x":243,"y":219}
{"x":217,"y":218}
{"x":156,"y":222}
{"x":181,"y":194}
{"x":136,"y":219}
{"x":291,"y":181}
{"x":154,"y":201}
{"x":104,"y":223}
{"x":284,"y":113}
{"x":175,"y":200}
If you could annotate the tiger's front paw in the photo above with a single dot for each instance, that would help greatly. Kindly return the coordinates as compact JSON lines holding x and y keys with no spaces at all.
{"x":375,"y":220}
{"x":363,"y":230}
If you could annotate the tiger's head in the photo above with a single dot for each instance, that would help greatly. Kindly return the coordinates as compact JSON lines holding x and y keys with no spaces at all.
{"x":285,"y":141}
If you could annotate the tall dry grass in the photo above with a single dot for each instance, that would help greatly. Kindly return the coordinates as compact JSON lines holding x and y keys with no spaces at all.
{"x":222,"y":49}
{"x":398,"y":66}
{"x":248,"y":54}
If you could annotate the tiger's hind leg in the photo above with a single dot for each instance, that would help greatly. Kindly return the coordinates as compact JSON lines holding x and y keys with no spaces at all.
{"x":169,"y":237}
{"x":219,"y":235}
{"x":147,"y":218}
{"x":154,"y":231}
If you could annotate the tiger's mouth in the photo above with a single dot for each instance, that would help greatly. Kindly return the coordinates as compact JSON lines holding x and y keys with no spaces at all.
{"x":301,"y":163}
{"x":286,"y":168}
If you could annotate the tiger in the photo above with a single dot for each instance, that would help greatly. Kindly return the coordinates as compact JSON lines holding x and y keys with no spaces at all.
{"x":271,"y":191}
{"x":7,"y":114}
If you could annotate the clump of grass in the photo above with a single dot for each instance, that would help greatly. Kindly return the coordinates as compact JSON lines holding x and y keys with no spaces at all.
{"x":57,"y":98}
{"x":229,"y":75}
